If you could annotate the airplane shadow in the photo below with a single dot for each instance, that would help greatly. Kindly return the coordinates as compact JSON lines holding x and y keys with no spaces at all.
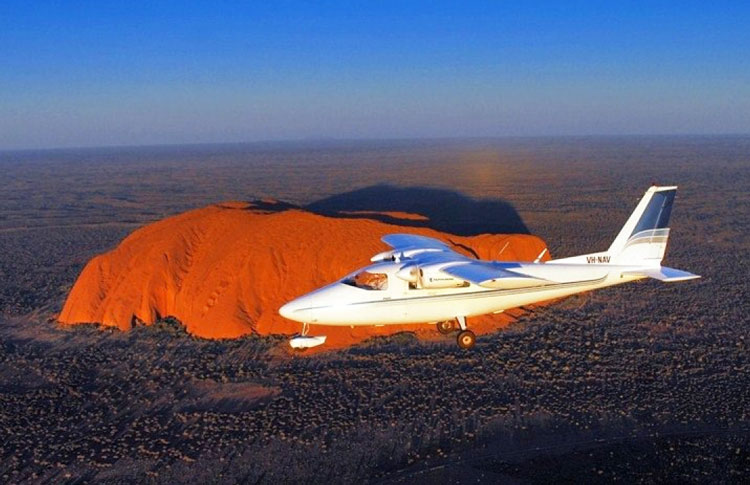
{"x":444,"y":210}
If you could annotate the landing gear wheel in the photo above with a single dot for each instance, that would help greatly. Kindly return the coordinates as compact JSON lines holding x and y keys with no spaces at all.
{"x":445,"y":327}
{"x":466,"y":339}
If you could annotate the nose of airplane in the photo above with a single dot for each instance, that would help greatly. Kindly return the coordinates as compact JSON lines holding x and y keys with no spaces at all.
{"x":306,"y":308}
{"x":287,"y":310}
{"x":294,"y":310}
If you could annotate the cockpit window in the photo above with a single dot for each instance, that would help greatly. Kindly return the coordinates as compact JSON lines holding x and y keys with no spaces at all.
{"x":368,"y":281}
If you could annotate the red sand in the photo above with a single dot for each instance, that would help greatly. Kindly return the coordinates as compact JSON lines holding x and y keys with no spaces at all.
{"x":224,"y":270}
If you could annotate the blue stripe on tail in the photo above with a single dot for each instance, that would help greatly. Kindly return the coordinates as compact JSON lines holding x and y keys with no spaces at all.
{"x":656,"y":215}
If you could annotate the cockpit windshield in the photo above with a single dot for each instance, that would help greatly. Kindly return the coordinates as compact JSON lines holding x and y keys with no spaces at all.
{"x":368,"y":281}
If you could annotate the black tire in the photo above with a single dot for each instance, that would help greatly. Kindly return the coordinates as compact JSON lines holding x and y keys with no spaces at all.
{"x":445,"y":327}
{"x":466,"y":339}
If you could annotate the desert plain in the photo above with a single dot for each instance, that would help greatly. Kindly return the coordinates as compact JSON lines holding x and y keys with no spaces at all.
{"x":640,"y":383}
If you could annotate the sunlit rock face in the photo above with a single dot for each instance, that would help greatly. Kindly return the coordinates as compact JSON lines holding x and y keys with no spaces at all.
{"x":224,"y":270}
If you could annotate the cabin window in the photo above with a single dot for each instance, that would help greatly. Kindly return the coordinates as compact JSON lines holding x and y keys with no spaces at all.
{"x":368,"y":281}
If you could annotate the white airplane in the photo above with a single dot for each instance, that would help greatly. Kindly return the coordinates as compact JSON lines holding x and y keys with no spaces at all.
{"x":422,"y":280}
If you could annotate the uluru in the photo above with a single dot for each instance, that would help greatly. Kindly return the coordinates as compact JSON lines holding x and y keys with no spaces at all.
{"x":225,"y":269}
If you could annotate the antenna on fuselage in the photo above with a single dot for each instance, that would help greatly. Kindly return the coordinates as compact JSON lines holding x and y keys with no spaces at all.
{"x":504,"y":247}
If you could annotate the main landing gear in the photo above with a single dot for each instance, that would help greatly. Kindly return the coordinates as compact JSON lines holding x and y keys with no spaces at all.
{"x":445,"y":327}
{"x":466,"y":338}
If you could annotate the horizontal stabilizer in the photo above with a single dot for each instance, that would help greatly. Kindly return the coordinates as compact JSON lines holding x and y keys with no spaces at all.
{"x":663,"y":273}
{"x":488,"y":275}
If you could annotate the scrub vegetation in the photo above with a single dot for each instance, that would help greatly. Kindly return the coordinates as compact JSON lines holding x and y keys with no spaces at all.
{"x":643,"y":382}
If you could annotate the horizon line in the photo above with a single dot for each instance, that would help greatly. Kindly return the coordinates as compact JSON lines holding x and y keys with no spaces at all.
{"x":334,"y":140}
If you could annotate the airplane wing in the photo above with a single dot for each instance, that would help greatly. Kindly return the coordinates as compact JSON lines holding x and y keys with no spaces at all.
{"x":409,"y":245}
{"x":427,"y":252}
{"x":491,"y":275}
{"x":404,"y":242}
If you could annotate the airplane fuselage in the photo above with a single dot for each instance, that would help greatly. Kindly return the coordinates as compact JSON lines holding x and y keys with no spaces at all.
{"x":399,"y":302}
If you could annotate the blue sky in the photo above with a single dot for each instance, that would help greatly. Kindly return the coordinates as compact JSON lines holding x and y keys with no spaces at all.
{"x":100,"y":73}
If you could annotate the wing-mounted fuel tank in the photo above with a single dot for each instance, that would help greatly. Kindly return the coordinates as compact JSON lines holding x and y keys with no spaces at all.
{"x":429,"y":277}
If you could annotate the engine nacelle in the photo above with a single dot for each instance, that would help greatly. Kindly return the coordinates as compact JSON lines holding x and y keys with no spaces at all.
{"x":409,"y":272}
{"x":429,"y":277}
{"x":384,"y":256}
{"x":432,"y":277}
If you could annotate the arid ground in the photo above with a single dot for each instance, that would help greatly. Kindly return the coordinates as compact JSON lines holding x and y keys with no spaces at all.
{"x":640,"y":383}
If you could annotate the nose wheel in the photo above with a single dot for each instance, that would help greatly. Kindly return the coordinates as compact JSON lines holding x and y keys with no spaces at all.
{"x":304,"y":341}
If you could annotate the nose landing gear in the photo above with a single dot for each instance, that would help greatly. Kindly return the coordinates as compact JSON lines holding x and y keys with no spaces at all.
{"x":305,"y":341}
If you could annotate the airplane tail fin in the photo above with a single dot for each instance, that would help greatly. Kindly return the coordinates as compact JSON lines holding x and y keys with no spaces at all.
{"x":643,"y":238}
{"x":642,"y":241}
